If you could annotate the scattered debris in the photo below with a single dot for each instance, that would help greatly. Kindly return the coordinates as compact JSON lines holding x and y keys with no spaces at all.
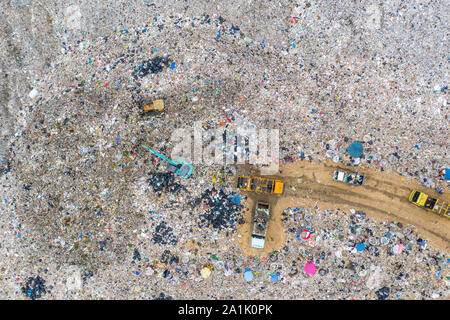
{"x":222,"y":209}
{"x":152,"y":66}
{"x":163,"y":235}
{"x":34,"y":287}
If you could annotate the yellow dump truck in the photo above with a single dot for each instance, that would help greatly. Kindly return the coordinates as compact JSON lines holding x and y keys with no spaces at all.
{"x":259,"y":184}
{"x":423,"y":200}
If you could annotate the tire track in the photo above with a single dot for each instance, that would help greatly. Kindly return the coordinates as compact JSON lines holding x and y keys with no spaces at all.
{"x":397,"y":217}
{"x":383,"y":198}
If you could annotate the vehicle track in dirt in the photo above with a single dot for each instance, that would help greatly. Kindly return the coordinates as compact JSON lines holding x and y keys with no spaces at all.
{"x":383,"y":196}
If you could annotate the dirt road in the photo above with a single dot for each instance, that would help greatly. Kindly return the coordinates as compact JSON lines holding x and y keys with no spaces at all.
{"x":383,"y":196}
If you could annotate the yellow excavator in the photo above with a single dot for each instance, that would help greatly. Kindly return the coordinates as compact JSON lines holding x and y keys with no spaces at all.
{"x":258,"y":184}
{"x":423,"y":200}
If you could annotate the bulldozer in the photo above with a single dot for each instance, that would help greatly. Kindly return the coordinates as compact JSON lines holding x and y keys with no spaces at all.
{"x":156,"y":106}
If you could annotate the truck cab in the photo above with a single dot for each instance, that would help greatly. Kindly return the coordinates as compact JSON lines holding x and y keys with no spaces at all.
{"x":423,"y":200}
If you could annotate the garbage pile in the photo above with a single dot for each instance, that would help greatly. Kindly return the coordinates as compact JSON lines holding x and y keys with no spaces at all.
{"x":222,"y":211}
{"x":151,"y":66}
{"x":73,"y":176}
{"x":163,"y":182}
{"x":34,"y":288}
{"x":368,"y":259}
{"x":162,"y":296}
{"x":136,"y":255}
{"x":383,"y":293}
{"x":163,"y":234}
{"x":5,"y":167}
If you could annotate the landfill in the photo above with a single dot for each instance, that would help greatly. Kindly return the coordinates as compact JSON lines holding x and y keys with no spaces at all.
{"x":86,"y":213}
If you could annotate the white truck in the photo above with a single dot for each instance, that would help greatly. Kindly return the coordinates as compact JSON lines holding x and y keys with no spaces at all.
{"x":260,"y":222}
{"x":348,"y":177}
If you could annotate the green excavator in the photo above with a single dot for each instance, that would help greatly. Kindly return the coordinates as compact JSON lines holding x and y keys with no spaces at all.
{"x":179,"y":167}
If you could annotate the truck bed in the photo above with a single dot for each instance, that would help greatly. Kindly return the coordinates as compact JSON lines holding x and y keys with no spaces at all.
{"x":258,"y":184}
{"x":348,"y":177}
{"x":261,"y":219}
{"x":442,"y":209}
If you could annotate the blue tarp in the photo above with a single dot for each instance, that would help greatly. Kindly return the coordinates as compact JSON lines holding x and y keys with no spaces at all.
{"x":274,"y":278}
{"x":447,"y":174}
{"x":236,"y":199}
{"x":360,"y":246}
{"x":248,"y":274}
{"x":355,"y":149}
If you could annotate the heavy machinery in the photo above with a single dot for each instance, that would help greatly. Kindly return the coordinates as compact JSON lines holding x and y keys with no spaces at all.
{"x":260,"y":222}
{"x":348,"y":177}
{"x":157,"y":105}
{"x":179,"y":167}
{"x":259,"y":184}
{"x":423,"y":200}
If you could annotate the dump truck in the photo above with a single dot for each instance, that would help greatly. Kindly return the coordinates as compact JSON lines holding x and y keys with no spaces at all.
{"x":258,"y":184}
{"x":348,"y":177}
{"x":423,"y":200}
{"x":260,"y":223}
{"x":157,"y":106}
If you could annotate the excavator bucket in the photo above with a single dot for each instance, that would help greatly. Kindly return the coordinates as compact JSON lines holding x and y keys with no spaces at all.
{"x":184,"y":169}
